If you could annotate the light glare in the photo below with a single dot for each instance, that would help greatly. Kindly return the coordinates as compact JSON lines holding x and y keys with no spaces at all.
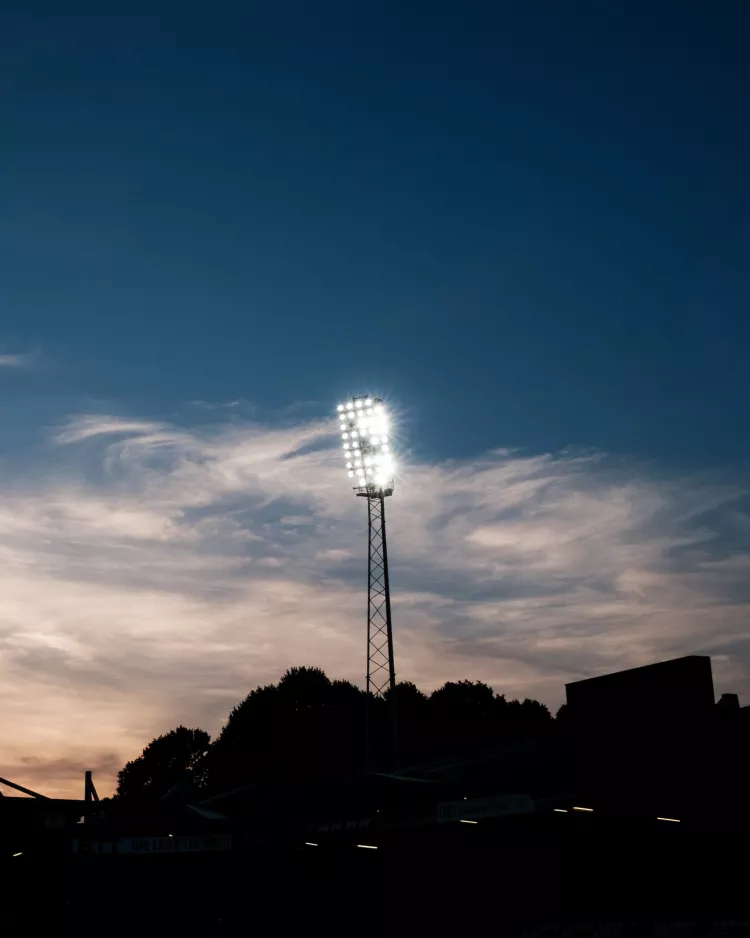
{"x":363,"y":424}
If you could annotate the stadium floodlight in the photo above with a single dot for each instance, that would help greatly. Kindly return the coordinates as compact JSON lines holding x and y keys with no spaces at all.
{"x":370,"y":466}
{"x":368,"y":433}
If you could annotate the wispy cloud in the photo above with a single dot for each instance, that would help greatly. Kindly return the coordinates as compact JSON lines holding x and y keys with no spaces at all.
{"x":14,"y":361}
{"x":84,"y":426}
{"x":194,"y":564}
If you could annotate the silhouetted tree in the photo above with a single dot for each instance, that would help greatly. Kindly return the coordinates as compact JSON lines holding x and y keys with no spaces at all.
{"x":413,"y":717}
{"x":535,"y":713}
{"x":304,"y":695}
{"x":307,"y":726}
{"x":246,"y":746}
{"x":304,"y":726}
{"x":562,"y":718}
{"x":465,"y":699}
{"x":175,"y":760}
{"x":463,"y":717}
{"x":527,"y":717}
{"x":410,"y":698}
{"x":344,"y":694}
{"x":344,"y":728}
{"x":304,"y":688}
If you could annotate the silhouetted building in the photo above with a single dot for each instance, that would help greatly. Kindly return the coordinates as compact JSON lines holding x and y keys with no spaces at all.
{"x":651,"y":740}
{"x":679,"y":689}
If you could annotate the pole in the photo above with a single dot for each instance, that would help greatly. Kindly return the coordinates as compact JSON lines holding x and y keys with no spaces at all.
{"x":381,"y":671}
{"x":368,"y":756}
{"x":26,"y":791}
{"x":393,"y":714}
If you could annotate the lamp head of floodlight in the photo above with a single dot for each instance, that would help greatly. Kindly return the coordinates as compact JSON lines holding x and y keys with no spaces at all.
{"x":364,"y":428}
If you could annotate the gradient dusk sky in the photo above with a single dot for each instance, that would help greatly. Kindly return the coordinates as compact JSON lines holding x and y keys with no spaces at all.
{"x":524,"y":225}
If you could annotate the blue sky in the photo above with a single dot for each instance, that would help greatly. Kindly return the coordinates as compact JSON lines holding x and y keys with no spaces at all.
{"x":524,"y":225}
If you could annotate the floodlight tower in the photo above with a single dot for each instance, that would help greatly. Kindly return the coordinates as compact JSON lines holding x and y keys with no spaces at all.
{"x":369,"y":464}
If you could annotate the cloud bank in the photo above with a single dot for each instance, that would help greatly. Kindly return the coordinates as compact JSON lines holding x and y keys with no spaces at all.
{"x":152,"y":575}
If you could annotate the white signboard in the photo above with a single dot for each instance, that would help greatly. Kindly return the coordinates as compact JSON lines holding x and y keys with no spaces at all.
{"x":196,"y":844}
{"x":474,"y":809}
{"x":199,"y":843}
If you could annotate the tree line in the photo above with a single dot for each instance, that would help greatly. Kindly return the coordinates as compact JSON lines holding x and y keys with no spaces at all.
{"x":308,"y":726}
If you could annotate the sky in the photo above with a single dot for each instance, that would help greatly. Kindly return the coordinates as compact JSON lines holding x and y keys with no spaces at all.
{"x":524,"y":226}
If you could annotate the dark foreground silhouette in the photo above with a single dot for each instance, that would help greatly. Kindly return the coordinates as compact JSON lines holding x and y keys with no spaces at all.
{"x":307,"y":726}
{"x":626,"y":815}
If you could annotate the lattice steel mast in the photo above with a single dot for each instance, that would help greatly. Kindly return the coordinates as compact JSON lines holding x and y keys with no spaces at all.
{"x":381,"y":668}
{"x":364,"y":426}
{"x":381,"y":673}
